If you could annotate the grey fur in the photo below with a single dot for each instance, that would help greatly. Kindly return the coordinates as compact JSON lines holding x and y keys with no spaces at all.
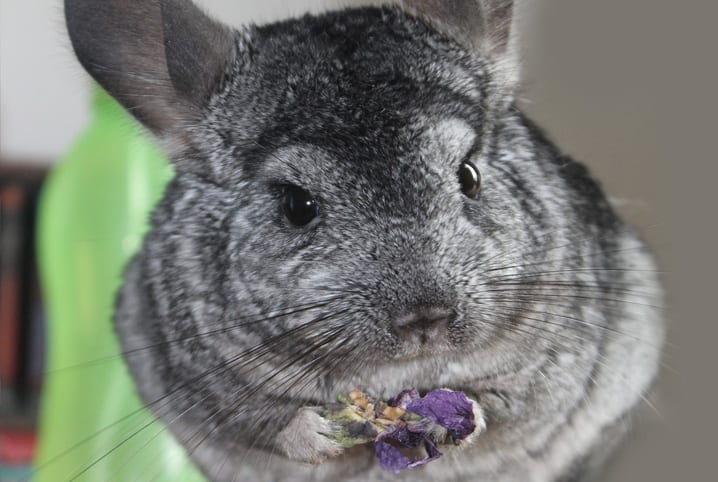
{"x":252,"y":320}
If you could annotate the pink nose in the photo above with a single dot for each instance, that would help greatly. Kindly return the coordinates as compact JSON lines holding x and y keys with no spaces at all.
{"x":423,"y":323}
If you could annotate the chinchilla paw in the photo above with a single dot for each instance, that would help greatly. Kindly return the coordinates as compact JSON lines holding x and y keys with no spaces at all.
{"x":308,"y":437}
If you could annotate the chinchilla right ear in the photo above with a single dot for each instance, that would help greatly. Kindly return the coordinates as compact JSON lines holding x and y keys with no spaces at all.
{"x":481,"y":26}
{"x":161,"y":59}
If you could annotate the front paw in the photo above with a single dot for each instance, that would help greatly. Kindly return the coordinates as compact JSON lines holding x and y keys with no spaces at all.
{"x":308,"y":437}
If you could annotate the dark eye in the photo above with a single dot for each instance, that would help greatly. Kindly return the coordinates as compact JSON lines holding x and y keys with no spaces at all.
{"x":470,"y":179}
{"x":299,"y":206}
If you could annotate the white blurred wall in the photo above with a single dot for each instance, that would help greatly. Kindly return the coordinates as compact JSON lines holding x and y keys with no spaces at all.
{"x":42,"y":95}
{"x":44,"y":91}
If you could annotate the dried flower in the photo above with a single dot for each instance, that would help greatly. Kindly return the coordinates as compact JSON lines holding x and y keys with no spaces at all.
{"x":452,"y":410}
{"x":404,"y":429}
{"x":394,"y":448}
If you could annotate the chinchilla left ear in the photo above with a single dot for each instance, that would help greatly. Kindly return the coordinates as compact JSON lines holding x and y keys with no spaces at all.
{"x":481,"y":26}
{"x":161,"y":59}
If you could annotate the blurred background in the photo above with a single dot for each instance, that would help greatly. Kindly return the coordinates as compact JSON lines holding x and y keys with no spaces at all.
{"x":626,"y":86}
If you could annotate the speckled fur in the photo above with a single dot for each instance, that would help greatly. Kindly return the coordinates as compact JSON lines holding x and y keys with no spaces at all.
{"x":373,"y":111}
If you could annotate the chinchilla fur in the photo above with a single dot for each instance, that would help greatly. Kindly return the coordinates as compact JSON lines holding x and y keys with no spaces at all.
{"x":549,"y":301}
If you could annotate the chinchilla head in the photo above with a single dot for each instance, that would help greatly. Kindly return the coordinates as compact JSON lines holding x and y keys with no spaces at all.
{"x":357,"y":201}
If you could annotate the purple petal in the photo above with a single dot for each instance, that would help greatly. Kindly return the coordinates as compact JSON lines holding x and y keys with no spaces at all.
{"x":403,"y":398}
{"x":390,"y":457}
{"x":404,"y":436}
{"x":431,"y":449}
{"x":452,"y":410}
{"x":389,"y":445}
{"x":432,"y":453}
{"x":425,"y":460}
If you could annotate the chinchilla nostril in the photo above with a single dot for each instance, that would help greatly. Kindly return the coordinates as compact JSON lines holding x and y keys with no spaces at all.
{"x":424,"y":319}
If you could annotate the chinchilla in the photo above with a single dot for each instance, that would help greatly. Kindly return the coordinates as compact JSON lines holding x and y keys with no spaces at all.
{"x":360,"y":202}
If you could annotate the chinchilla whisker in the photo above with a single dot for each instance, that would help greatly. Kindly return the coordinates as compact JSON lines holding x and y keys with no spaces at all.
{"x":134,"y":433}
{"x":542,"y":251}
{"x":568,"y":282}
{"x":566,"y":342}
{"x":513,"y":329}
{"x":225,"y":366}
{"x":593,"y":292}
{"x":327,"y":338}
{"x":339,"y":360}
{"x":546,"y":379}
{"x":262,"y":383}
{"x":312,"y":347}
{"x":300,"y":379}
{"x":590,"y":376}
{"x":291,"y":311}
{"x":523,"y":341}
{"x":598,"y":361}
{"x":190,"y":408}
{"x":248,"y":395}
{"x":314,"y":289}
{"x":281,"y":338}
{"x":165,"y":427}
{"x":167,"y":398}
{"x":508,"y":252}
{"x":582,"y":256}
{"x":561,"y":286}
{"x":588,"y":269}
{"x":187,"y":410}
{"x":610,"y":330}
{"x":581,"y":335}
{"x":37,"y":469}
{"x":583,"y":329}
{"x":512,"y":299}
{"x":512,"y":317}
{"x":306,"y":377}
{"x":537,"y":295}
{"x":338,"y":341}
{"x":602,"y":361}
{"x":571,"y":340}
{"x":133,"y":351}
{"x":125,"y":462}
{"x":586,"y":325}
{"x":123,"y":441}
{"x":540,"y":274}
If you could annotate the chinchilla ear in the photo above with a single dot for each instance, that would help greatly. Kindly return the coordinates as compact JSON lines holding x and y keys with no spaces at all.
{"x":161,"y":59}
{"x":482,"y":26}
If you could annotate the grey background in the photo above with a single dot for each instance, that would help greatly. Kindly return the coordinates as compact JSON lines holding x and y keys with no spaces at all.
{"x":627,"y":86}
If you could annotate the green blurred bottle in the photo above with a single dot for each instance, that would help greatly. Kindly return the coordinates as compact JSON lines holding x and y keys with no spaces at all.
{"x":93,"y":213}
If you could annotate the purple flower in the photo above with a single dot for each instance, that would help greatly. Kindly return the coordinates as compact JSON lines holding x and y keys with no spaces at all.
{"x":410,"y":444}
{"x":452,"y":410}
{"x":399,"y":448}
{"x":403,"y":398}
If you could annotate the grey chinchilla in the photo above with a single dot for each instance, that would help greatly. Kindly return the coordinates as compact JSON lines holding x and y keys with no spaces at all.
{"x":359,"y":202}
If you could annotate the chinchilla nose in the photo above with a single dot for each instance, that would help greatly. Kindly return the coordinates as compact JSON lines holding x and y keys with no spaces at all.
{"x":424,"y":324}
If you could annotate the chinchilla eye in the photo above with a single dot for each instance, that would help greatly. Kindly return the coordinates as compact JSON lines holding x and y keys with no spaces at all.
{"x":299,"y":206}
{"x":470,"y":179}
